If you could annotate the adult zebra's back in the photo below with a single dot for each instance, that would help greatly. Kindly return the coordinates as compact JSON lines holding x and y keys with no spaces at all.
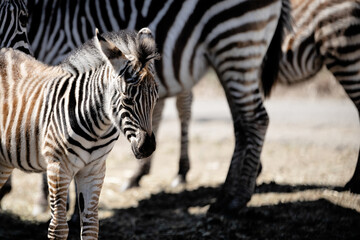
{"x":326,"y":33}
{"x":232,"y":36}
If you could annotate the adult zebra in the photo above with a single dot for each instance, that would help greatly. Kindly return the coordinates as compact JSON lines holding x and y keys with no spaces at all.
{"x":232,"y":36}
{"x":14,"y":19}
{"x":326,"y":33}
{"x":65,"y":119}
{"x":13,"y":33}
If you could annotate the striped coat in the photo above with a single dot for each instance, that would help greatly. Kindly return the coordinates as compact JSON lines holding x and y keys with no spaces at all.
{"x":65,"y":119}
{"x":14,"y":19}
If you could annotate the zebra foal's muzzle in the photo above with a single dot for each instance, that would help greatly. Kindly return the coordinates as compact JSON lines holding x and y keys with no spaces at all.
{"x":143,"y":145}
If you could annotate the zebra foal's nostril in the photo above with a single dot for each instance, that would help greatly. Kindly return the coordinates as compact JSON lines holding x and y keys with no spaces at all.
{"x":144,"y":146}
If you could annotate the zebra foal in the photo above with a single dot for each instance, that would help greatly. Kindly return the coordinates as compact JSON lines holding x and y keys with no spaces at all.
{"x":65,"y":119}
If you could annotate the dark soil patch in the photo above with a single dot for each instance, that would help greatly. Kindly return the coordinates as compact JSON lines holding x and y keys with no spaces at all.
{"x":167,"y":216}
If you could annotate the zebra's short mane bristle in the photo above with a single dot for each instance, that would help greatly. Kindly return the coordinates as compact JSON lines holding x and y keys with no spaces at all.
{"x":125,"y":41}
{"x":143,"y":49}
{"x":146,"y":50}
{"x":84,"y":58}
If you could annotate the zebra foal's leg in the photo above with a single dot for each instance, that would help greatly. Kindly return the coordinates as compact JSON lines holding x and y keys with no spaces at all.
{"x":183,"y":105}
{"x":145,"y":164}
{"x":89,"y":181}
{"x":58,"y":182}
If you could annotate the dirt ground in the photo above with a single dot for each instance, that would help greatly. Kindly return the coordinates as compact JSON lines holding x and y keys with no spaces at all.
{"x":310,"y":152}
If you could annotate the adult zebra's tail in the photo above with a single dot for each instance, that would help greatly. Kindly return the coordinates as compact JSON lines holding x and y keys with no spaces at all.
{"x":270,"y":65}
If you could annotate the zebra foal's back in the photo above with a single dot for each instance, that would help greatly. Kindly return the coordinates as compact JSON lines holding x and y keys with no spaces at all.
{"x":23,"y":81}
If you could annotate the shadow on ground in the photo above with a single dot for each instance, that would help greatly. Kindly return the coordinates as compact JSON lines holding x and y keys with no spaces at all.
{"x":181,"y":216}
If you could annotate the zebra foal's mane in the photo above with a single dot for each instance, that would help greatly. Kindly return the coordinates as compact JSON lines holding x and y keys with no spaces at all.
{"x":132,"y":46}
{"x":140,"y":47}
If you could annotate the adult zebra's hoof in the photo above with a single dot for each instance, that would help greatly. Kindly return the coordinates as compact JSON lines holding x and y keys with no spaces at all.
{"x":39,"y":209}
{"x":179,"y":180}
{"x":74,"y":222}
{"x":229,"y":206}
{"x":353,"y":185}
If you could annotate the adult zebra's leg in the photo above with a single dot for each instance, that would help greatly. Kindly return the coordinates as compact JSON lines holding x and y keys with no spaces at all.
{"x":42,"y":200}
{"x":5,"y":173}
{"x":89,"y":181}
{"x":145,"y":164}
{"x":183,"y":105}
{"x":6,"y":188}
{"x":58,"y":182}
{"x":348,"y":77}
{"x":354,"y":183}
{"x":250,"y":123}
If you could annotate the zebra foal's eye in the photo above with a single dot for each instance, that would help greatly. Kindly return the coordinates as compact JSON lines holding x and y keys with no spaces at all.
{"x":128,"y":76}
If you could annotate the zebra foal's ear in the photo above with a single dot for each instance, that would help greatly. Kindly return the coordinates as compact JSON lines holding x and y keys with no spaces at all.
{"x":108,"y":48}
{"x":146,"y":46}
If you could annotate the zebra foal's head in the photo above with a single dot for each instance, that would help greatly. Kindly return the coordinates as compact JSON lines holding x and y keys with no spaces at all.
{"x":13,"y":23}
{"x":134,"y":92}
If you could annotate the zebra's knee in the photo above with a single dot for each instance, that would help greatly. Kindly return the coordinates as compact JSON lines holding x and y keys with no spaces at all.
{"x":260,"y":119}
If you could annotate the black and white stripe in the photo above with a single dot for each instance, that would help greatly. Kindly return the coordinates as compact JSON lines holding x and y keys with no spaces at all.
{"x":65,"y":119}
{"x":14,"y":18}
{"x":232,"y":36}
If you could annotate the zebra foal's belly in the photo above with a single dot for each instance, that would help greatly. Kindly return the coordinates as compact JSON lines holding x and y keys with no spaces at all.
{"x":23,"y":158}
